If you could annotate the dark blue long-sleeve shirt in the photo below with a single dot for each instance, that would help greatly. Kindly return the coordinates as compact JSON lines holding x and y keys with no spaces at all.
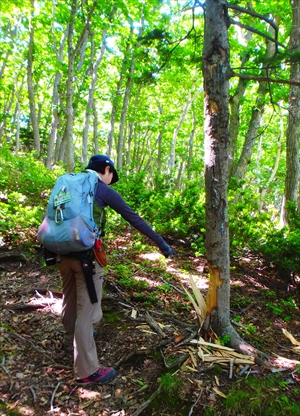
{"x":107,"y":196}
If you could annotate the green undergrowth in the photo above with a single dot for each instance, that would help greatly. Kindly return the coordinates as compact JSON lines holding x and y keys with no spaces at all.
{"x":7,"y":411}
{"x":255,"y":396}
{"x":172,"y":397}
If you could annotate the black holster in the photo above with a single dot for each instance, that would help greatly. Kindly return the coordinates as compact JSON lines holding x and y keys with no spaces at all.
{"x":86,"y":258}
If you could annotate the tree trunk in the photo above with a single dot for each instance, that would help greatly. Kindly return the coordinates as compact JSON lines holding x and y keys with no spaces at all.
{"x":266,"y":189}
{"x":52,"y":139}
{"x":56,"y":102}
{"x":216,"y":71}
{"x":234,"y":125}
{"x":256,"y":119}
{"x":190,"y":99}
{"x":17,"y":121}
{"x":90,"y":101}
{"x":252,"y":133}
{"x":116,"y":99}
{"x":31,"y":92}
{"x":191,"y":144}
{"x":292,"y":134}
{"x":73,"y":52}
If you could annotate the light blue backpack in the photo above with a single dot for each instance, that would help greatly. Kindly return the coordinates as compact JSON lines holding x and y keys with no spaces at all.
{"x":69,"y":224}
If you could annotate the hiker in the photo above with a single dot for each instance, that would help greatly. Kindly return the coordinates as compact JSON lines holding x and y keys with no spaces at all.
{"x":79,"y":314}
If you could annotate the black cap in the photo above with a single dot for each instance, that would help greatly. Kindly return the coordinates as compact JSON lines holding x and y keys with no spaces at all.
{"x":98,"y":161}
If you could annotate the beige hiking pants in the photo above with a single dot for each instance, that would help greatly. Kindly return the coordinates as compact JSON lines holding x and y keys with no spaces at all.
{"x":79,"y":315}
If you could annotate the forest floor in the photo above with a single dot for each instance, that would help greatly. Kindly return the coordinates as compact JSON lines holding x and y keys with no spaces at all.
{"x":149,"y":333}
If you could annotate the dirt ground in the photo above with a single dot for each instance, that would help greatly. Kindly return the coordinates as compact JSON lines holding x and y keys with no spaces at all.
{"x":148,"y":334}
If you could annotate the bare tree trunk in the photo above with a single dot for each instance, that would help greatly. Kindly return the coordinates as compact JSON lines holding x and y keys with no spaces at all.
{"x":126,"y":100}
{"x":256,"y":118}
{"x":191,"y":144}
{"x":73,"y":52}
{"x":116,"y":99}
{"x":90,"y":101}
{"x":56,"y":103}
{"x":216,"y":70}
{"x":234,"y":125}
{"x":52,"y":139}
{"x":252,"y":133}
{"x":275,"y":167}
{"x":17,"y":120}
{"x":292,"y":134}
{"x":190,"y":99}
{"x":95,"y":129}
{"x":235,"y":103}
{"x":6,"y":110}
{"x":31,"y":92}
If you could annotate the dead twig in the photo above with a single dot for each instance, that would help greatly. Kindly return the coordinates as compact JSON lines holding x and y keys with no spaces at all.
{"x":53,"y":396}
{"x":173,"y":286}
{"x":144,"y":405}
{"x":195,"y":404}
{"x":2,"y":365}
{"x":33,"y":393}
{"x":170,"y":318}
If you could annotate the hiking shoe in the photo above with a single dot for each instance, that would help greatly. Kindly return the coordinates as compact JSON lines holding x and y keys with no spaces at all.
{"x":102,"y":375}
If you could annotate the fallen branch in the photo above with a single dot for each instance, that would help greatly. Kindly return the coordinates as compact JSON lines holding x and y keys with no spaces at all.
{"x":33,"y":393}
{"x":23,"y":306}
{"x":162,"y":344}
{"x":154,"y":325}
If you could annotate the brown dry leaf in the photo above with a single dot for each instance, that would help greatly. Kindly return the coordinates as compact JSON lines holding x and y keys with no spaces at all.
{"x":178,"y":339}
